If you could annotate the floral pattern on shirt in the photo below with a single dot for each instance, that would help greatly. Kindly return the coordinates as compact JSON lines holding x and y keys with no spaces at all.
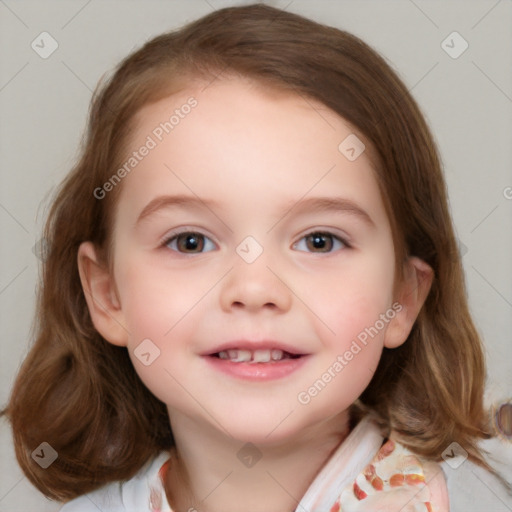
{"x":393,"y":481}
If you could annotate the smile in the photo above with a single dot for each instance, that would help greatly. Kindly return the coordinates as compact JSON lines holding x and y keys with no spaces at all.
{"x":255,"y":356}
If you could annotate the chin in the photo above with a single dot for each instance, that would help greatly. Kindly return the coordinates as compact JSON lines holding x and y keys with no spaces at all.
{"x":259,"y":425}
{"x":268,"y":428}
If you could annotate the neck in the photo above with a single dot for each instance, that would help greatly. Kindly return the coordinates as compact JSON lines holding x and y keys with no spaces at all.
{"x":212,"y":472}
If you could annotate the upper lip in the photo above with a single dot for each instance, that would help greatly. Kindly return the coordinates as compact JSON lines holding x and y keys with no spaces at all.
{"x":254,"y":345}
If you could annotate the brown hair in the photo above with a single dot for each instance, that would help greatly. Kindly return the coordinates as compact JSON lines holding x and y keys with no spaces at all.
{"x":81,"y":394}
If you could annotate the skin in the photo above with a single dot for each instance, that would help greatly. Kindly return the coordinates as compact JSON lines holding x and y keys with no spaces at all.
{"x":261,"y":158}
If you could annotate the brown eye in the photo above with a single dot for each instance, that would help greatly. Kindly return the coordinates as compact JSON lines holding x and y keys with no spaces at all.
{"x":190,"y":243}
{"x":319,"y":242}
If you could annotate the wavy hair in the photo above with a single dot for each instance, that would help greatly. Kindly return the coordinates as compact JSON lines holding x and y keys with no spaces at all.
{"x":82,"y":395}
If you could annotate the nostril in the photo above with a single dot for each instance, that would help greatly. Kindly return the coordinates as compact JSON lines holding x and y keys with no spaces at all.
{"x":239,"y":304}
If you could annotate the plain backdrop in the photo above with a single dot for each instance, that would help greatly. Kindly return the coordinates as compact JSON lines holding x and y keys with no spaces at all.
{"x":467,"y":101}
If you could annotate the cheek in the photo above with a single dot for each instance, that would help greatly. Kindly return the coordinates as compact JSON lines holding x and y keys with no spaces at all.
{"x":356,"y":299}
{"x":154,"y":299}
{"x":357,"y":309}
{"x":160,"y":310}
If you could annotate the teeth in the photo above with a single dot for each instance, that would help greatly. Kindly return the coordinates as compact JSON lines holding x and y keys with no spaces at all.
{"x":261,"y":356}
{"x":253,"y":356}
{"x":277,"y":354}
{"x":240,"y":356}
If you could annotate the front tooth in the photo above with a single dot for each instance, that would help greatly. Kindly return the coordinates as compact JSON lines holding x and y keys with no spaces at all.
{"x":261,"y":356}
{"x":223,"y":355}
{"x":277,"y":354}
{"x":240,"y":356}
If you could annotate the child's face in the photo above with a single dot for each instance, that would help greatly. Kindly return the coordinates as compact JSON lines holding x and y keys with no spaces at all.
{"x":252,"y":173}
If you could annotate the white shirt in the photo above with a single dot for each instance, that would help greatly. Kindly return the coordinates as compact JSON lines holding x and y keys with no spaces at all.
{"x":145,"y":492}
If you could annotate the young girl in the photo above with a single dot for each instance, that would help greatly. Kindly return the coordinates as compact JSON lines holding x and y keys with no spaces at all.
{"x":252,"y":297}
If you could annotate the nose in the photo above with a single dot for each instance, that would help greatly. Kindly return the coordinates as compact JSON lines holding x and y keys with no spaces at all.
{"x":254,"y":287}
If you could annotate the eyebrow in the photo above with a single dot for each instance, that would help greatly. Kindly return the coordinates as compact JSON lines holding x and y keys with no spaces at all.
{"x":331,"y":204}
{"x":310,"y":205}
{"x":167,"y":201}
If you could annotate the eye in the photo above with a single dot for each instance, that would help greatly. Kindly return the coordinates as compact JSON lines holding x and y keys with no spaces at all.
{"x":319,"y":241}
{"x":190,"y":242}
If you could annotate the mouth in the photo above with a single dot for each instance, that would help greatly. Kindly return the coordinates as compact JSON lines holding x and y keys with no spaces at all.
{"x":255,"y":356}
{"x":256,"y":361}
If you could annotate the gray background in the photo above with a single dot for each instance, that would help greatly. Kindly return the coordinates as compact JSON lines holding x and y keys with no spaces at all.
{"x":467,"y":101}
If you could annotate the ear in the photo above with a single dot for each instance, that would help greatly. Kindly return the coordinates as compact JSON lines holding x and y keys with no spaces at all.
{"x":101,"y":296}
{"x":410,"y":296}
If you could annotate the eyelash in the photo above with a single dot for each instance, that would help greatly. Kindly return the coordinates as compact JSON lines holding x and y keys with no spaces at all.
{"x":174,"y":236}
{"x":323,"y":233}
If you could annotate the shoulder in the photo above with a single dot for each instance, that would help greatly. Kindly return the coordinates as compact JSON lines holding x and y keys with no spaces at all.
{"x":130,"y":496}
{"x":107,"y":499}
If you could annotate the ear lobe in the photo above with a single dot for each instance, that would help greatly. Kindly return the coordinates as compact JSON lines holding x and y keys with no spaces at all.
{"x":411,"y":295}
{"x":100,"y":294}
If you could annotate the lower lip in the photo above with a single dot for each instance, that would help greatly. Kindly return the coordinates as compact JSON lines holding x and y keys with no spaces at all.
{"x":257,"y":371}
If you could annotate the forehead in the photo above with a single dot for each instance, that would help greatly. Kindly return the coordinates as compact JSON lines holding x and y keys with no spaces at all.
{"x":243,"y":106}
{"x":260,"y":141}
